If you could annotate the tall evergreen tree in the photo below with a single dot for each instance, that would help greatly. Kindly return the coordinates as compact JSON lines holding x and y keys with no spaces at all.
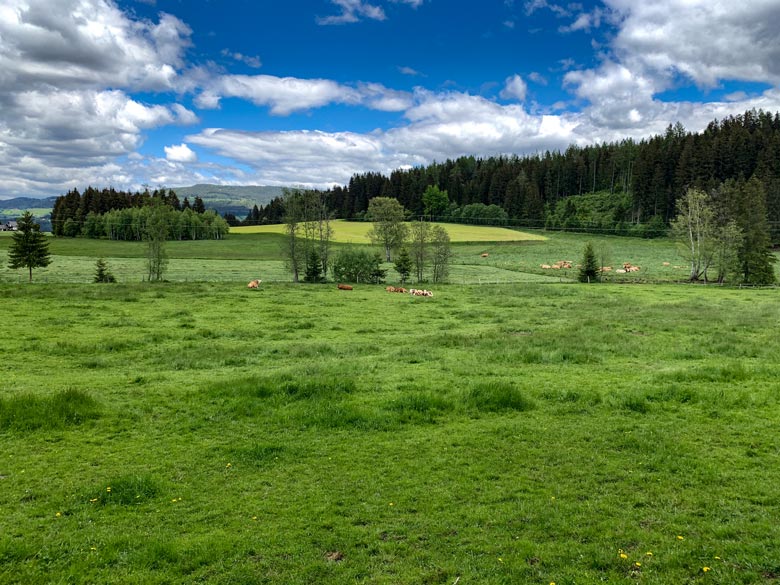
{"x":29,"y":248}
{"x":755,"y":256}
{"x":403,"y":265}
{"x":589,"y":270}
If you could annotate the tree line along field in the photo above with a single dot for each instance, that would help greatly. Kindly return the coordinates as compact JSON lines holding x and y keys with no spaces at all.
{"x":531,"y":433}
{"x":244,"y":256}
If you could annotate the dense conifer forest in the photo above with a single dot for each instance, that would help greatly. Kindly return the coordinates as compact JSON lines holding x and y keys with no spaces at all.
{"x":637,"y":183}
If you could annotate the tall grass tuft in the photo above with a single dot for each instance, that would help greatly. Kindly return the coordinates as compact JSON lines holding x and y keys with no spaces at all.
{"x":128,"y":490}
{"x":28,"y":412}
{"x":497,"y":396}
{"x":420,"y":406}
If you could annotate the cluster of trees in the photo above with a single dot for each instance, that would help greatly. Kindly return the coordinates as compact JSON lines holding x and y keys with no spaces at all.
{"x":122,"y":215}
{"x":640,"y":182}
{"x":425,"y":245}
{"x":131,"y":224}
{"x":424,"y":248}
{"x":726,"y":230}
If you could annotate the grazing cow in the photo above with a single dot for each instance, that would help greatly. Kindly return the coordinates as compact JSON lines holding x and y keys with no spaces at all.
{"x":254,"y":284}
{"x":344,"y":287}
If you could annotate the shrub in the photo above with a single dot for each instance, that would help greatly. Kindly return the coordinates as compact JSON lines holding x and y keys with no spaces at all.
{"x":354,"y":265}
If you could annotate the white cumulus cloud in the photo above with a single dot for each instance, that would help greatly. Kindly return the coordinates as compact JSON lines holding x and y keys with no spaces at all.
{"x":180,"y":153}
{"x":514,"y":88}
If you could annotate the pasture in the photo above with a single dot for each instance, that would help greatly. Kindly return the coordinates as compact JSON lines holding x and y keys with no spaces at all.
{"x":245,"y":256}
{"x":525,"y":433}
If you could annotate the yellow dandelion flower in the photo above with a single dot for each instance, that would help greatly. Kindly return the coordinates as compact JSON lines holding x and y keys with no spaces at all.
{"x":254,"y":517}
{"x":58,"y":514}
{"x":552,"y":582}
{"x":108,"y":489}
{"x":637,"y":564}
{"x":392,"y":504}
{"x":93,"y":500}
{"x":717,"y":558}
{"x":680,"y":537}
{"x":649,"y":553}
{"x":623,"y":556}
{"x":705,"y":569}
{"x":500,"y":560}
{"x":173,"y":501}
{"x":93,"y":548}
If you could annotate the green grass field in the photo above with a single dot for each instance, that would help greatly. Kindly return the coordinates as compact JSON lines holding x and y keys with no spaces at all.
{"x":245,"y":256}
{"x":525,"y":433}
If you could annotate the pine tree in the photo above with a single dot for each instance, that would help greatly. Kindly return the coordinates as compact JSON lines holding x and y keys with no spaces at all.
{"x":29,"y":248}
{"x":755,"y":256}
{"x":313,"y":267}
{"x":589,"y":271}
{"x":102,"y":273}
{"x":403,"y":265}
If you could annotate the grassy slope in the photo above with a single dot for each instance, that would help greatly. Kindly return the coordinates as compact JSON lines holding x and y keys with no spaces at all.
{"x":512,"y":434}
{"x":357,"y":232}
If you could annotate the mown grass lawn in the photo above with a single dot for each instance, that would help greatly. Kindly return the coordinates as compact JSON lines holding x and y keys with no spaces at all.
{"x":526,"y":433}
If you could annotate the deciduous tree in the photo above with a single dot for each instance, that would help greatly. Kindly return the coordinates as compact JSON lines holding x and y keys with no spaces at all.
{"x":441,"y":253}
{"x":420,"y":235}
{"x":389,"y":228}
{"x":435,"y":201}
{"x":694,"y":229}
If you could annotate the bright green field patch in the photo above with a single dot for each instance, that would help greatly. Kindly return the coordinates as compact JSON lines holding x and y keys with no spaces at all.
{"x":357,"y":232}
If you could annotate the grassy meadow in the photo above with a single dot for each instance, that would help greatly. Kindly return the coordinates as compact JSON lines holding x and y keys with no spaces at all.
{"x":513,"y":256}
{"x":535,"y":431}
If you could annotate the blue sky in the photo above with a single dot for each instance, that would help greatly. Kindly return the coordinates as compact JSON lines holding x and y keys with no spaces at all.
{"x":307,"y":92}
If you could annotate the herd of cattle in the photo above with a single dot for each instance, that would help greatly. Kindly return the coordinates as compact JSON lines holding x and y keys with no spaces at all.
{"x":566,"y":264}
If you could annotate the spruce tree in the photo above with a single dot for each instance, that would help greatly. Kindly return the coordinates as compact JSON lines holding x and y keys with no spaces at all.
{"x":102,"y":273}
{"x":755,"y":255}
{"x":29,"y":248}
{"x":313,"y":267}
{"x":403,"y":265}
{"x":589,"y":271}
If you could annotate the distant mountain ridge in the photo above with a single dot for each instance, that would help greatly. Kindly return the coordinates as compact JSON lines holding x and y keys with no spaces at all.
{"x":235,"y":199}
{"x":24,"y":203}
